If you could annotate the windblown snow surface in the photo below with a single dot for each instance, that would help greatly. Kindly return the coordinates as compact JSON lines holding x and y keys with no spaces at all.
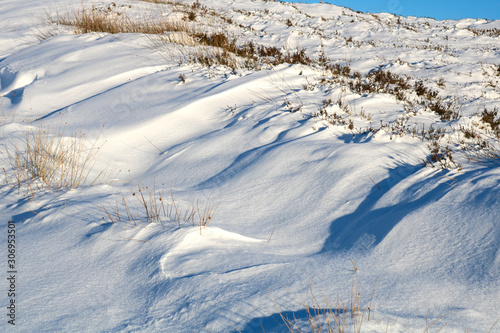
{"x":301,"y":201}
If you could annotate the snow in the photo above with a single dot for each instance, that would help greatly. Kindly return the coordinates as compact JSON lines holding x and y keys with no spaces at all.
{"x":300,"y":200}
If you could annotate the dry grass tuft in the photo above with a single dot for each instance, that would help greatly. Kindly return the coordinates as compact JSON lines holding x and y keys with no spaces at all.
{"x":324,"y":316}
{"x":200,"y":46}
{"x":46,"y":159}
{"x":489,"y":156}
{"x":206,"y":214}
{"x":142,"y":205}
{"x":96,"y":19}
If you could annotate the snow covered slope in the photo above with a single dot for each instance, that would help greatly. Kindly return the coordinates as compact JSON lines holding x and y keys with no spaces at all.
{"x":307,"y":172}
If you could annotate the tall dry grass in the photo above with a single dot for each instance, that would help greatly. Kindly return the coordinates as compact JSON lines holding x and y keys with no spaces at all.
{"x":47,"y":159}
{"x":324,"y":316}
{"x":141,"y":205}
{"x":96,"y":19}
{"x":183,"y":40}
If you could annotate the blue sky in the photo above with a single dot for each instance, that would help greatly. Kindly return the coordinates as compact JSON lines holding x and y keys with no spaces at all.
{"x":438,"y":9}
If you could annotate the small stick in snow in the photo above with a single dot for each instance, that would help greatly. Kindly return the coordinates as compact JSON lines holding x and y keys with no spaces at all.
{"x":273,"y":230}
{"x":153,"y":145}
{"x":376,"y":184}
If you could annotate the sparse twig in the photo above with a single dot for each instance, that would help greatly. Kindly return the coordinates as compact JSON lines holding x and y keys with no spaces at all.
{"x":277,"y":220}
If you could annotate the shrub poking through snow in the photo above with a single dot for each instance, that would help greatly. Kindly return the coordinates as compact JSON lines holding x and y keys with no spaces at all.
{"x":492,"y":118}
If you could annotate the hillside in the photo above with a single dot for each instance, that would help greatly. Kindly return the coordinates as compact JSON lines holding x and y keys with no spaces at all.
{"x":250,"y":166}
